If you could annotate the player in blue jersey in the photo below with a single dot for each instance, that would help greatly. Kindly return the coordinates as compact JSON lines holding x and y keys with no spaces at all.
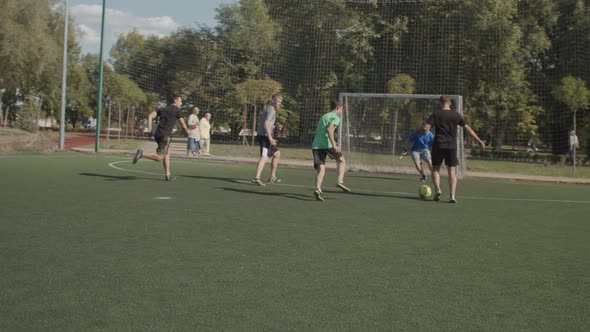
{"x":421,"y":143}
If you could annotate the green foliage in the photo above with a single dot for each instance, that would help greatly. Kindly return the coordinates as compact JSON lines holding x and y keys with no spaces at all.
{"x":504,"y":57}
{"x":247,"y":34}
{"x":257,"y":91}
{"x":81,"y":91}
{"x":123,"y":90}
{"x":573,"y":93}
{"x":28,"y":45}
{"x":402,"y":83}
{"x":126,"y":50}
{"x":31,"y":44}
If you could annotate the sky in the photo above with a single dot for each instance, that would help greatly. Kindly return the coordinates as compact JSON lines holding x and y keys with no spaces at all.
{"x":149,"y":17}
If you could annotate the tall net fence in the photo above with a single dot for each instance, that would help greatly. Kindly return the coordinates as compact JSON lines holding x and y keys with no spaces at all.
{"x":520,"y":65}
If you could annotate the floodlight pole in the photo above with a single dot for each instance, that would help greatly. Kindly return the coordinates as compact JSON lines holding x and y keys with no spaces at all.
{"x":100,"y":77}
{"x":64,"y":74}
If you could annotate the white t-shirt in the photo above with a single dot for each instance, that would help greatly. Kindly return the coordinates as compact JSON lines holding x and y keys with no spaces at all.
{"x":205,"y":128}
{"x":573,"y":140}
{"x":195,"y":133}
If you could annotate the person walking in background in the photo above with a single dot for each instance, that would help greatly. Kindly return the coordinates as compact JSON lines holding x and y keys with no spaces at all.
{"x":421,"y":142}
{"x":91,"y":122}
{"x":205,"y":127}
{"x":268,"y":145}
{"x":324,"y":144}
{"x":167,"y":117}
{"x":194,"y":137}
{"x":573,"y":145}
{"x":445,"y":123}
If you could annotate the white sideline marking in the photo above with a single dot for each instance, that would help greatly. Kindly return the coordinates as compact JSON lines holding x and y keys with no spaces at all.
{"x":461,"y":197}
{"x":40,"y":156}
{"x":527,"y":200}
{"x":129,"y":170}
{"x":413,"y":194}
{"x":535,"y":200}
{"x":207,"y":161}
{"x":163,"y":197}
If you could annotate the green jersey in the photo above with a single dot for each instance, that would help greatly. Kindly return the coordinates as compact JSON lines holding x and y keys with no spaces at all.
{"x":321,"y":139}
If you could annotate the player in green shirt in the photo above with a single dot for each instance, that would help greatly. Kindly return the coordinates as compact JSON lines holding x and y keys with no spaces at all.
{"x":324,"y":145}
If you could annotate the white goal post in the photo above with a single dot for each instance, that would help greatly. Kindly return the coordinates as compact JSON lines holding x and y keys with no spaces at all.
{"x":375,"y":126}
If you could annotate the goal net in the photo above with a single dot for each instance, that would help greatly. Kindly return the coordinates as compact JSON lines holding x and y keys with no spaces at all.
{"x":375,"y":129}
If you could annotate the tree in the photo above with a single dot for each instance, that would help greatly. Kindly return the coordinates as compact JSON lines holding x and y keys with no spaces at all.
{"x":31,"y":45}
{"x":401,"y":84}
{"x":573,"y":93}
{"x":247,"y":35}
{"x":126,"y":51}
{"x":566,"y":56}
{"x":122,"y":92}
{"x":27,"y":43}
{"x":508,"y":38}
{"x":189,"y":58}
{"x":253,"y":93}
{"x":28,"y":49}
{"x":142,"y":60}
{"x":314,"y":62}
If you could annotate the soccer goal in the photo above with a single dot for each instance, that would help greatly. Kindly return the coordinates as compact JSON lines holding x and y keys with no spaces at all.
{"x":375,"y":129}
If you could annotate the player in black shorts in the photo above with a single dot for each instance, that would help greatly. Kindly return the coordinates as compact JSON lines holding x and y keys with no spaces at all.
{"x":324,"y":144}
{"x":268,"y":145}
{"x":167,"y":117}
{"x":445,"y":123}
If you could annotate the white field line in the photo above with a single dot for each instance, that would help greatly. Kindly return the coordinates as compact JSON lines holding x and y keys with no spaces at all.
{"x":383,"y":192}
{"x":2,"y":156}
{"x":113,"y":165}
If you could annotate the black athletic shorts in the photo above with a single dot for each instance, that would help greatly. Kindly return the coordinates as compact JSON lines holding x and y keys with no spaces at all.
{"x":266,"y":149}
{"x":163,"y":144}
{"x":448,"y":155}
{"x":319,"y":156}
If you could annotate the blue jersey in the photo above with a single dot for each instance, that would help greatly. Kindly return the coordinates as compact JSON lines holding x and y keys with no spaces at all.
{"x":421,"y":140}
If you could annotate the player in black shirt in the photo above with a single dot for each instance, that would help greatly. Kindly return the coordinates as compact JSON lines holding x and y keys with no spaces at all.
{"x":167,"y":117}
{"x":445,"y":123}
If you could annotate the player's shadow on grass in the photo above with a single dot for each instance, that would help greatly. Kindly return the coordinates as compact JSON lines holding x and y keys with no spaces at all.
{"x":232,"y":180}
{"x":356,"y":193}
{"x":111,"y":177}
{"x":274,"y":193}
{"x":376,"y":177}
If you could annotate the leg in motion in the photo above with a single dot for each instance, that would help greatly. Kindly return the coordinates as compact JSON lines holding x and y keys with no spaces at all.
{"x":341,"y":168}
{"x":452,"y":172}
{"x":319,"y":178}
{"x":436,"y":181}
{"x":274,"y":164}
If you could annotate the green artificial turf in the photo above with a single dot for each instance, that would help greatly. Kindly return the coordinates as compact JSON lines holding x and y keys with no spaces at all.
{"x":96,"y":243}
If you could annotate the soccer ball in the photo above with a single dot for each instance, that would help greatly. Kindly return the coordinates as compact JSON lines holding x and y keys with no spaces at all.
{"x":425,"y":191}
